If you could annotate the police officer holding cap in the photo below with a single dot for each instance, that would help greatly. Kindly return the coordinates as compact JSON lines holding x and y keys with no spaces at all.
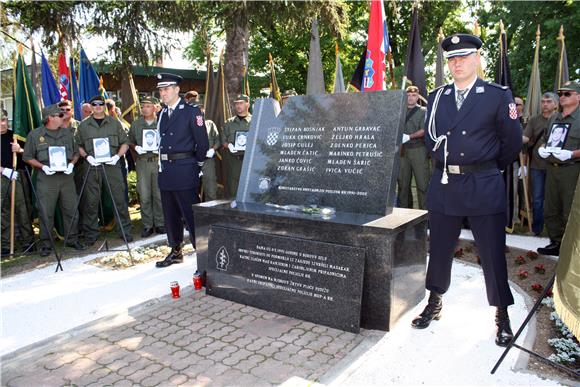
{"x":473,"y":132}
{"x":182,"y":150}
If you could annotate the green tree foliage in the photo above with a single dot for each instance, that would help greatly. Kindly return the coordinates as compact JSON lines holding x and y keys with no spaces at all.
{"x":520,"y":21}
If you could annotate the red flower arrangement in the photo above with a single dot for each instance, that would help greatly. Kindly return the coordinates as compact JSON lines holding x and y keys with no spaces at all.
{"x":540,"y":268}
{"x":520,"y":260}
{"x":537,"y":287}
{"x":458,"y":253}
{"x":532,"y":254}
{"x":549,"y":293}
{"x":523,"y":274}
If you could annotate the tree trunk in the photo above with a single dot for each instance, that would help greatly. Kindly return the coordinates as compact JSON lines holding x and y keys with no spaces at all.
{"x":237,"y":39}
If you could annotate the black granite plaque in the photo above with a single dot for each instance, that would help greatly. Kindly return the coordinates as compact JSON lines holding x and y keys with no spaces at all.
{"x":333,"y":150}
{"x":313,"y":281}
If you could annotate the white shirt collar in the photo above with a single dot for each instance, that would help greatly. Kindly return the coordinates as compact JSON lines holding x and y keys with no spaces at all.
{"x":175,"y":105}
{"x":469,"y":87}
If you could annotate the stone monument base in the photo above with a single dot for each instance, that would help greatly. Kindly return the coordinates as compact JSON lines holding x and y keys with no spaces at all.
{"x":360,"y":270}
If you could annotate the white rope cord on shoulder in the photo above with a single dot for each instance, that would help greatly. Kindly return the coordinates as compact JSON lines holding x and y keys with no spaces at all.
{"x":432,"y":130}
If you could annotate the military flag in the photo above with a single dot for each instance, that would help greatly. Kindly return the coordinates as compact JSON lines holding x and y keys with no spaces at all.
{"x":415,"y":63}
{"x":130,"y":99}
{"x":246,"y":76}
{"x":34,"y":73}
{"x":102,"y":90}
{"x":210,"y":87}
{"x":26,"y":113}
{"x":88,"y":79}
{"x":440,"y":62}
{"x":63,"y":77}
{"x":532,"y":104}
{"x":477,"y":32}
{"x":49,"y":88}
{"x":74,"y":90}
{"x":503,"y":77}
{"x":338,"y":77}
{"x":274,"y":89}
{"x":562,"y":75}
{"x":357,"y":78}
{"x":315,"y":79}
{"x":374,"y":77}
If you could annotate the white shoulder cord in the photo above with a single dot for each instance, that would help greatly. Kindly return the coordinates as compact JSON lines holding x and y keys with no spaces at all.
{"x":432,"y":130}
{"x":159,"y":136}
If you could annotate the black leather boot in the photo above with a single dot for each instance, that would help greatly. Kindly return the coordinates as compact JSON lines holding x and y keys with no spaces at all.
{"x":504,"y":331}
{"x":431,"y":312}
{"x":175,"y":256}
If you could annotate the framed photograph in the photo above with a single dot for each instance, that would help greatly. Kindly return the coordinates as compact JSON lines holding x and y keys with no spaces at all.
{"x":150,"y":140}
{"x":57,"y":158}
{"x":241,"y":140}
{"x":102,"y":149}
{"x":557,"y":138}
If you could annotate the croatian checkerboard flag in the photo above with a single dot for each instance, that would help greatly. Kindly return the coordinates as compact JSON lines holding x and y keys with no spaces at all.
{"x":63,"y":77}
{"x":377,"y":48}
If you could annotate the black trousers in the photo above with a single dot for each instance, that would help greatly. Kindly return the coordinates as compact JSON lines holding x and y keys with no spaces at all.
{"x":177,"y":208}
{"x":489,"y":234}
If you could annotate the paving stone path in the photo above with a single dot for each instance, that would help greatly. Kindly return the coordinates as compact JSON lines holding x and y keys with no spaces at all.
{"x":196,"y":340}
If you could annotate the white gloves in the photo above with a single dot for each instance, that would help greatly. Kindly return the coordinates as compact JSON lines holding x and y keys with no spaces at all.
{"x":200,"y":174}
{"x":543,"y":152}
{"x":9,"y":173}
{"x":139,"y":150}
{"x":406,"y":138}
{"x":69,"y":169}
{"x":210,"y":153}
{"x":563,"y":155}
{"x":46,"y":169}
{"x":232,"y":148}
{"x":92,"y":161}
{"x":522,"y":172}
{"x":113,"y":160}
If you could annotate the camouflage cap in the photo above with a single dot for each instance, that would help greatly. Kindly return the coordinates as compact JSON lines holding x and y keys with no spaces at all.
{"x":149,"y":99}
{"x":571,"y":86}
{"x":51,"y":110}
{"x":242,"y":98}
{"x":412,"y":89}
{"x":289,"y":93}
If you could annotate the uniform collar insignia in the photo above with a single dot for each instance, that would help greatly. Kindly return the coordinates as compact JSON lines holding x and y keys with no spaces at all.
{"x":479,"y":90}
{"x":181,"y":106}
{"x":447,"y":92}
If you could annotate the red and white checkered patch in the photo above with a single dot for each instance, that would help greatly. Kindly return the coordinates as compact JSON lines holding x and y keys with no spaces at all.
{"x":199,"y":120}
{"x":513,"y":111}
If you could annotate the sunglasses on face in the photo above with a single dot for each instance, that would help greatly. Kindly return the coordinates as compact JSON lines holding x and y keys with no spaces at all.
{"x":564,"y":94}
{"x":65,"y":109}
{"x":97,"y":104}
{"x":59,"y":115}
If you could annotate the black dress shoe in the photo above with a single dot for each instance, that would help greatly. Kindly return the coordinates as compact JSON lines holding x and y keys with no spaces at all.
{"x":552,"y":249}
{"x":175,"y":256}
{"x":146,"y":232}
{"x":160,"y":230}
{"x":76,"y":245}
{"x":431,"y":312}
{"x":504,"y":332}
{"x":45,"y":251}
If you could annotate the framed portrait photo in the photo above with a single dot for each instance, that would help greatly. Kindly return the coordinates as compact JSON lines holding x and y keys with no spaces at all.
{"x":557,"y":138}
{"x":102,"y":149}
{"x":240,"y":140}
{"x":150,"y":140}
{"x":57,"y":158}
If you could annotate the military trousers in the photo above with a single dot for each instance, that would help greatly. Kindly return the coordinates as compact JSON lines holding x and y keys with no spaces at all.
{"x":559,"y":194}
{"x":91,"y":199}
{"x":178,"y":208}
{"x":234,"y":164}
{"x":489,"y":234}
{"x":414,"y":162}
{"x":22,"y":223}
{"x":58,"y":188}
{"x":149,"y":196}
{"x":209,"y":180}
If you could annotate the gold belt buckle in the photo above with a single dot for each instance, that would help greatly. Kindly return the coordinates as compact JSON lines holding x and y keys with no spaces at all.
{"x":454,"y":169}
{"x":164,"y":157}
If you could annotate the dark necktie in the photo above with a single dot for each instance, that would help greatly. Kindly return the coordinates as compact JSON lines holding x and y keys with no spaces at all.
{"x":460,"y":97}
{"x":169,"y":112}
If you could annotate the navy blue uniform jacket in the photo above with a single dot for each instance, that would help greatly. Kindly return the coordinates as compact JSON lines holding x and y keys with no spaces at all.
{"x":482,"y":130}
{"x":183,"y":132}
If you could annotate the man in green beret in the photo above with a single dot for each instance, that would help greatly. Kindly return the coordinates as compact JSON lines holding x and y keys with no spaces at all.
{"x":52,"y":151}
{"x":94,"y":130}
{"x":143,"y":139}
{"x":234,"y":151}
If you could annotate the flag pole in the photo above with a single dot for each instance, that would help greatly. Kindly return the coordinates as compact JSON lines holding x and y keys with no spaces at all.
{"x":12,"y":203}
{"x":391,"y":69}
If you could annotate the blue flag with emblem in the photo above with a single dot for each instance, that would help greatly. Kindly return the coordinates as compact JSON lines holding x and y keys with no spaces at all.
{"x":50,"y":92}
{"x":74,"y":90}
{"x":88,"y":79}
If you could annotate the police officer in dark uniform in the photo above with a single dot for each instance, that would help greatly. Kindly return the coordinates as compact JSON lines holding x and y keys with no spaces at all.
{"x":473,"y":133}
{"x":182,"y":149}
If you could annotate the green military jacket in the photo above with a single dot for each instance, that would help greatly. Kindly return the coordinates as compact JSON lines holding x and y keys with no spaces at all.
{"x":414,"y":123}
{"x":136,"y":133}
{"x":233,"y":125}
{"x":213,"y":134}
{"x":110,"y":128}
{"x":40,"y":139}
{"x":572,"y":140}
{"x":535,"y":130}
{"x":73,"y":125}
